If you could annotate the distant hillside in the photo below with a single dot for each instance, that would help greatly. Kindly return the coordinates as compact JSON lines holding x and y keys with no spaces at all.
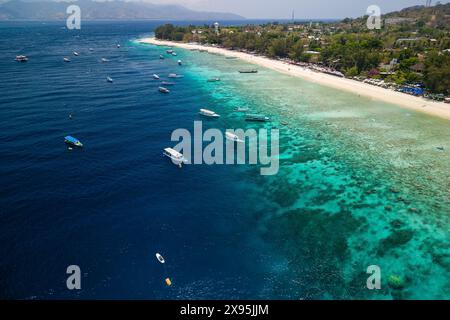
{"x":114,"y":10}
{"x":434,"y":16}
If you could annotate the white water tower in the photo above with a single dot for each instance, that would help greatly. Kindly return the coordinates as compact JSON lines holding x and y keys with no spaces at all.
{"x":216,"y":27}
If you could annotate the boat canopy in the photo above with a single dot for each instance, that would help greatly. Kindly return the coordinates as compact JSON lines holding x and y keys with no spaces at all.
{"x":71,"y":139}
{"x":173,"y":153}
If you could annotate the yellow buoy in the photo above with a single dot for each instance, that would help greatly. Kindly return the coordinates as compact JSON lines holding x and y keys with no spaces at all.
{"x":168,"y":282}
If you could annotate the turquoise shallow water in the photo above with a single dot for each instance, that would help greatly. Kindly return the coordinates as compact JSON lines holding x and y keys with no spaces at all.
{"x":361,"y":183}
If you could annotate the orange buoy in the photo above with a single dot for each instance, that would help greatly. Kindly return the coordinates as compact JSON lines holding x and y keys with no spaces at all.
{"x":168,"y":282}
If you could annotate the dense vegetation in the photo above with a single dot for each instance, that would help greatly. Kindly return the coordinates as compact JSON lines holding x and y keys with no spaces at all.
{"x":411,"y":47}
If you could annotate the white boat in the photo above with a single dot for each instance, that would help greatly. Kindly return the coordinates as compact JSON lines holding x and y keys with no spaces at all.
{"x":179,"y":62}
{"x":176,"y":157}
{"x":169,"y":51}
{"x":109,"y":79}
{"x":155,"y":76}
{"x":174,"y":54}
{"x":118,"y":45}
{"x":208,"y":113}
{"x":232,"y":137}
{"x":66,"y":60}
{"x":104,"y":60}
{"x":239,"y":109}
{"x":91,"y":49}
{"x":21,"y":58}
{"x":160,"y":258}
{"x":163,"y":90}
{"x":76,"y":53}
{"x":215,"y":79}
{"x":174,"y":75}
{"x":161,"y":57}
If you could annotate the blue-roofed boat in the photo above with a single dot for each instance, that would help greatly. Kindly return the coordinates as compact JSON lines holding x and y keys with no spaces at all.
{"x":73,"y":141}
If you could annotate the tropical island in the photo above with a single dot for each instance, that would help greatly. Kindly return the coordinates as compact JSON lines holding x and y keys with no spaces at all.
{"x":410,"y":53}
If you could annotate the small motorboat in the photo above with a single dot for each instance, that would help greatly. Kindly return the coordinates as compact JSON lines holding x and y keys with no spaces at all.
{"x":174,"y":54}
{"x":21,"y":58}
{"x":161,"y":57}
{"x":174,"y":75}
{"x":215,"y":79}
{"x":248,"y":71}
{"x":176,"y":157}
{"x":180,"y":62}
{"x":73,"y":142}
{"x":166,"y":83}
{"x":239,"y":109}
{"x":256,"y":117}
{"x":169,"y":51}
{"x":104,"y":60}
{"x":118,"y":45}
{"x":208,"y":113}
{"x":163,"y":90}
{"x":160,"y":258}
{"x":440,"y":148}
{"x":109,"y":79}
{"x":232,"y":137}
{"x":76,"y":53}
{"x":91,"y":49}
{"x":66,"y":60}
{"x":156,"y":77}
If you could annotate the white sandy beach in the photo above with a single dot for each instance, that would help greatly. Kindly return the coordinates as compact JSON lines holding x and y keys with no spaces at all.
{"x":439,"y":109}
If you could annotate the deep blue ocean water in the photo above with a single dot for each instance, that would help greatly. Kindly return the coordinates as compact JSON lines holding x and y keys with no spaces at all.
{"x":112,"y":205}
{"x":225,"y":231}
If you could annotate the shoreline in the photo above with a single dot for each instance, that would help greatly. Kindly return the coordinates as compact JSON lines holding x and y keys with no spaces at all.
{"x":439,"y":109}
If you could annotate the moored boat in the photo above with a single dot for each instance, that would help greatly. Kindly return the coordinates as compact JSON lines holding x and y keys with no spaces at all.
{"x":248,"y":71}
{"x":160,"y":258}
{"x":167,"y":83}
{"x":174,"y":75}
{"x":155,"y":76}
{"x":256,"y":117}
{"x":215,"y":79}
{"x":163,"y":90}
{"x":66,"y":59}
{"x":73,"y":141}
{"x":180,"y":62}
{"x":240,"y":109}
{"x":104,"y":60}
{"x":232,"y":137}
{"x":76,"y":53}
{"x":109,"y":79}
{"x":208,"y":113}
{"x":21,"y":58}
{"x":176,"y":157}
{"x":161,"y":57}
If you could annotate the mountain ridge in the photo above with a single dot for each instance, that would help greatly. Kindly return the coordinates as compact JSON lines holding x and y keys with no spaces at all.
{"x":110,"y":10}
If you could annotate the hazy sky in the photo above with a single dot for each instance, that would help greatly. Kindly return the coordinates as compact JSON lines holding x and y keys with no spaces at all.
{"x":303,"y":8}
